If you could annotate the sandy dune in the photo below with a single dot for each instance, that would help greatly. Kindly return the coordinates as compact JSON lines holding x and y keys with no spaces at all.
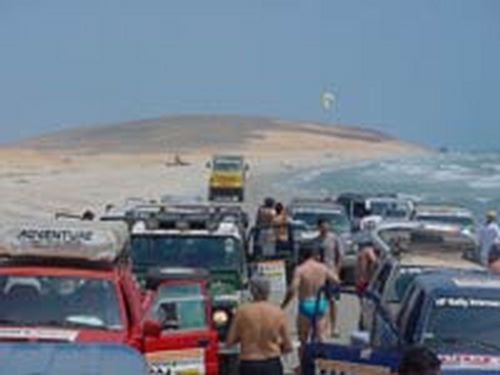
{"x":89,"y":167}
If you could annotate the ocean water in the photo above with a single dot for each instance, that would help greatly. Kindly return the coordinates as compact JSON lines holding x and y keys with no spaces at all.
{"x":468,"y":179}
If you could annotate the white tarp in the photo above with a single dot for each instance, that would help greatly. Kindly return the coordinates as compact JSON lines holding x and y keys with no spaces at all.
{"x":94,"y":241}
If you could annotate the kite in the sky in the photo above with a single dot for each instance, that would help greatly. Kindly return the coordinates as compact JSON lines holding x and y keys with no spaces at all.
{"x":327,"y":100}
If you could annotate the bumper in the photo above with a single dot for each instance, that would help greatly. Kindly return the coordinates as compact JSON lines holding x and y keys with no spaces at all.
{"x":227,"y":191}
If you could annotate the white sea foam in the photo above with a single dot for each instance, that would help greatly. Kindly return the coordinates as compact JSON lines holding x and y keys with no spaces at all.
{"x":466,"y":179}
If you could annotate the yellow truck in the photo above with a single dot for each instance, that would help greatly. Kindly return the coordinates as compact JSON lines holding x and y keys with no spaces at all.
{"x":227,"y":177}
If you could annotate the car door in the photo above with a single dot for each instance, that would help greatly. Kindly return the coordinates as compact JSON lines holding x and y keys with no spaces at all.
{"x":187,"y":343}
{"x":373,"y":295}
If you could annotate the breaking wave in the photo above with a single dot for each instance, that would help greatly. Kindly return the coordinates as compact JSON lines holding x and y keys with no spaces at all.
{"x":467,"y":179}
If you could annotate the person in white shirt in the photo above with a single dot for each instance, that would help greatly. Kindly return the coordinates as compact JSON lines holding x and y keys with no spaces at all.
{"x":488,"y":234}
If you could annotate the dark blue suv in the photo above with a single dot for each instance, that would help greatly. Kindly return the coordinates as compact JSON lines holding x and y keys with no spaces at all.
{"x":456,"y":313}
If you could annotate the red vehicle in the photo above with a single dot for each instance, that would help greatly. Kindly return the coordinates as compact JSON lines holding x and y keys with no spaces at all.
{"x":187,"y":343}
{"x":68,"y":281}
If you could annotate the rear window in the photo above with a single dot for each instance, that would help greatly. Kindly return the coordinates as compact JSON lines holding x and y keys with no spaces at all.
{"x":338,"y":221}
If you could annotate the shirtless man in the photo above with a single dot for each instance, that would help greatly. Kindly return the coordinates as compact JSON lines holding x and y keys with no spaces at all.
{"x":308,"y":278}
{"x":331,"y":253}
{"x":265,"y":232}
{"x":280,"y":226}
{"x":366,"y":263}
{"x":262,"y":330}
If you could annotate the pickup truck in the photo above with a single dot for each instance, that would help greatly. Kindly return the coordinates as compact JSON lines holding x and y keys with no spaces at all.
{"x":454,"y":312}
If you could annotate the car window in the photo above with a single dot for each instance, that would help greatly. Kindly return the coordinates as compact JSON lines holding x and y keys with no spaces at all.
{"x":406,"y":306}
{"x":413,"y":318}
{"x":179,"y":307}
{"x":59,"y":301}
{"x":401,"y":279}
{"x":380,"y":281}
{"x":464,"y":318}
{"x":186,"y":251}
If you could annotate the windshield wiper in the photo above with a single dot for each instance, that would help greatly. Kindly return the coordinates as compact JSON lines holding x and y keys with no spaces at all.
{"x":66,"y":324}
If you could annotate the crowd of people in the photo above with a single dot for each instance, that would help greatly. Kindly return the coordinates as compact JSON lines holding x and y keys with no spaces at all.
{"x":262,"y":328}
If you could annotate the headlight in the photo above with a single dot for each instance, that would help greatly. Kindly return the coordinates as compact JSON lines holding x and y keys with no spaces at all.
{"x":220,"y":317}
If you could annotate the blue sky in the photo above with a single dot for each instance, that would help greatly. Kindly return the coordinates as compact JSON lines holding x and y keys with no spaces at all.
{"x":426,"y":70}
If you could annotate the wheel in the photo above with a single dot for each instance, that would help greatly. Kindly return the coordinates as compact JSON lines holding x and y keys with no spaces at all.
{"x":241,"y":195}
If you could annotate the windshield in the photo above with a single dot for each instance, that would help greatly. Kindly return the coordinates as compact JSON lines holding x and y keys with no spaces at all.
{"x":338,"y":221}
{"x":462,"y":221}
{"x":59,"y":302}
{"x":466,"y":319}
{"x":179,"y":307}
{"x":186,"y":251}
{"x":389,"y":208}
{"x":227,"y":166}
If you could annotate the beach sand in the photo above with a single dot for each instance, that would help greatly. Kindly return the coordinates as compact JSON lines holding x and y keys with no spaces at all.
{"x":79,"y":169}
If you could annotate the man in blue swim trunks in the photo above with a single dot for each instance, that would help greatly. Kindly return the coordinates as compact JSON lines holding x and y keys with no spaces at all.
{"x":308,"y":278}
{"x":331,"y":254}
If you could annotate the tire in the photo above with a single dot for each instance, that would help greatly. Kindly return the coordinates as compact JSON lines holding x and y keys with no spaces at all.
{"x":241,"y":195}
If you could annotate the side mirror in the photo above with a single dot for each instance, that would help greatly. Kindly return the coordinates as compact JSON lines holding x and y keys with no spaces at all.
{"x":247,"y":167}
{"x":152,"y":329}
{"x":208,"y":165}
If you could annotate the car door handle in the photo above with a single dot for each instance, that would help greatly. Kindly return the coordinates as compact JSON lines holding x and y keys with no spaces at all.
{"x":203,"y":343}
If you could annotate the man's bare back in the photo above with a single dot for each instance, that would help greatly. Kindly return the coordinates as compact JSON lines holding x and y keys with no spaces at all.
{"x":366,"y":263}
{"x":308,"y":279}
{"x":310,"y":276}
{"x":262,"y":329}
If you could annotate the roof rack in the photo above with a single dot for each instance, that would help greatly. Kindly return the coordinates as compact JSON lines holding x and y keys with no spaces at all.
{"x":187,"y":216}
{"x":87,"y":241}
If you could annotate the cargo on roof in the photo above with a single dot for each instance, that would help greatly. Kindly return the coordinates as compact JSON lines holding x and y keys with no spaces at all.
{"x":91,"y":241}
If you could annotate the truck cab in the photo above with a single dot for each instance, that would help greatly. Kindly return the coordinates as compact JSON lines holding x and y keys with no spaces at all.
{"x":178,"y":300}
{"x":456,"y":314}
{"x":227,"y":177}
{"x":68,"y":282}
